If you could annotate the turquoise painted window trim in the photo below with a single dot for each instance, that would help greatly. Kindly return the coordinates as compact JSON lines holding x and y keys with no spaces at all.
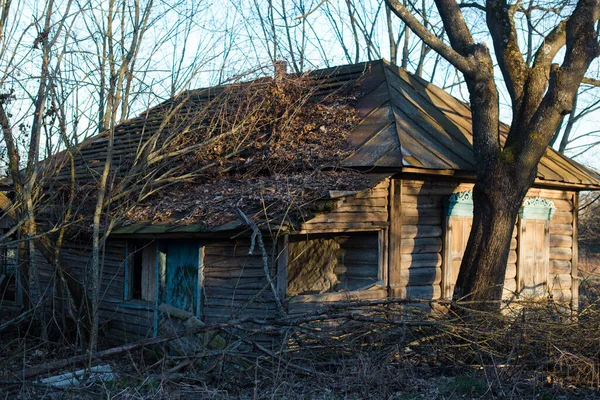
{"x":459,"y":204}
{"x":537,"y":208}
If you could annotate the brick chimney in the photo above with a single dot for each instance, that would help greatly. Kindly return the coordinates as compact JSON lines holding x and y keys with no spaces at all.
{"x":280,"y":69}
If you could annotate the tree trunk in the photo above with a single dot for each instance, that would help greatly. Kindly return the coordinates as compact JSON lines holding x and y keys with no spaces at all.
{"x":496,"y":202}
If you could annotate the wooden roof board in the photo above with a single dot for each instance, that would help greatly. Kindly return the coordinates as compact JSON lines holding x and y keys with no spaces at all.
{"x":428,"y":138}
{"x":372,"y":101}
{"x":370,"y":126}
{"x":422,"y":100}
{"x":374,"y":149}
{"x":435,"y":135}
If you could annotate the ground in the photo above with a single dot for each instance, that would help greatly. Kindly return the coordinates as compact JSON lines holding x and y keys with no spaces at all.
{"x":541,"y":354}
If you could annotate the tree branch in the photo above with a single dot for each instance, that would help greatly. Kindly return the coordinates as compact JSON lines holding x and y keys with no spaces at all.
{"x":500,"y":21}
{"x":461,"y":62}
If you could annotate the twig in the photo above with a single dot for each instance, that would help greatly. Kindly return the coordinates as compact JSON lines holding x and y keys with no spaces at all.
{"x":257,"y":238}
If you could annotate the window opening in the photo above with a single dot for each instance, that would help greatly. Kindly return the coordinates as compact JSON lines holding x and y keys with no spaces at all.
{"x":333,"y":263}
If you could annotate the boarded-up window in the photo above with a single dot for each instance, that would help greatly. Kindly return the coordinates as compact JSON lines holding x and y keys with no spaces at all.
{"x":533,"y":259}
{"x":458,"y":229}
{"x":328,"y":263}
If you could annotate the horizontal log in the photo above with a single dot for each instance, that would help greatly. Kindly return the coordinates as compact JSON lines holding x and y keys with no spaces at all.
{"x":560,"y":266}
{"x":373,"y":294}
{"x":510,"y":287}
{"x":370,"y":202}
{"x":550,"y":194}
{"x":239,"y":262}
{"x":351,"y":208}
{"x":561,"y":241}
{"x":346,"y":217}
{"x":560,"y":281}
{"x":430,"y":201}
{"x":561,"y":296}
{"x":422,"y":220}
{"x":416,"y":260}
{"x":342,"y":227}
{"x":421,"y":231}
{"x":562,"y":217}
{"x":421,"y":212}
{"x":421,"y":276}
{"x":563,"y":205}
{"x":421,"y":245}
{"x":416,"y":188}
{"x":559,"y":253}
{"x":377,"y":191}
{"x":511,"y":271}
{"x":560,"y":229}
{"x":512,"y":257}
{"x":430,"y":292}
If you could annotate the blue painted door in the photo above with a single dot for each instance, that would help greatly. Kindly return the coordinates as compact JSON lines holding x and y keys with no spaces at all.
{"x":183,"y":260}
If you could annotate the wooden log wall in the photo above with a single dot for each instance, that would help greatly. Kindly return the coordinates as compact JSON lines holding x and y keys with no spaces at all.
{"x":235,"y":284}
{"x":422,"y":230}
{"x":422,"y":233}
{"x":367,"y":210}
{"x":122,"y":319}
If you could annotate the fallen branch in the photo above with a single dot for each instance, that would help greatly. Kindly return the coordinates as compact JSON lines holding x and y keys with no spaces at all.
{"x":17,"y":319}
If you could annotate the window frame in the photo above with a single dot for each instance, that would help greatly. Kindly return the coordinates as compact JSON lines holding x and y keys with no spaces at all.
{"x":283,"y":263}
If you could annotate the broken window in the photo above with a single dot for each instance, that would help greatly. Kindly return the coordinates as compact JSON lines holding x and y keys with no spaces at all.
{"x":333,"y":263}
{"x":141,"y":274}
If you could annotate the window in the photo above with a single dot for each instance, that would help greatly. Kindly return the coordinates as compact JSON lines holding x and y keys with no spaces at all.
{"x":533,"y":248}
{"x":326,"y":263}
{"x":141,"y":271}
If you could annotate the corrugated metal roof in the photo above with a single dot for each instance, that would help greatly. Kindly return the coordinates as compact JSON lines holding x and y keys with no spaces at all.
{"x":409,"y":122}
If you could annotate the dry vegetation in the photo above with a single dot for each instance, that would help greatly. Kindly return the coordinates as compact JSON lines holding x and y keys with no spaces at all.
{"x":378,"y":349}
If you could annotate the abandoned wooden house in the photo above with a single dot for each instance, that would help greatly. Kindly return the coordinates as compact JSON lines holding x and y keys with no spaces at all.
{"x":390,"y":218}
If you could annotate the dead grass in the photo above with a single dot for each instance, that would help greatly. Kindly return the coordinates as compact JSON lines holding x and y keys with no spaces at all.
{"x":377,"y":350}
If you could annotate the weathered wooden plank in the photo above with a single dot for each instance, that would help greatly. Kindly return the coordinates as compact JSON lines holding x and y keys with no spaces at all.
{"x":510,"y":287}
{"x":560,"y":229}
{"x":560,"y":281}
{"x":562,"y":296}
{"x":422,"y":201}
{"x":560,"y":266}
{"x":421,"y":260}
{"x":561,"y":241}
{"x":430,"y":292}
{"x":338,"y":296}
{"x":550,"y":194}
{"x":562,"y":217}
{"x":560,"y":253}
{"x":511,"y":271}
{"x":575,"y":257}
{"x":343,"y":227}
{"x":421,"y":245}
{"x":347,"y":217}
{"x":423,"y":220}
{"x":421,"y":231}
{"x":421,"y":276}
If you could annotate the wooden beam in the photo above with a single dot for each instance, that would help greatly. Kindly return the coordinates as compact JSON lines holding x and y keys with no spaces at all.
{"x":395,"y":238}
{"x":575,"y":258}
{"x":282,"y":265}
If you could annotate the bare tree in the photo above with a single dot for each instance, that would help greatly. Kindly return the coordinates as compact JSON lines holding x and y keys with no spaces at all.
{"x":540,"y":93}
